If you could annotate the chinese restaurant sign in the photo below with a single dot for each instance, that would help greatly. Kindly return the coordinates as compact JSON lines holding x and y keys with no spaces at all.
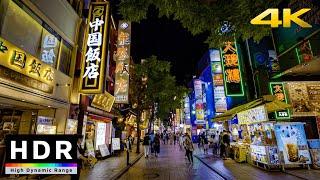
{"x":199,"y":102}
{"x":123,"y":63}
{"x":18,"y":66}
{"x":231,"y":70}
{"x":103,"y":101}
{"x":254,"y":115}
{"x":277,"y":89}
{"x":93,"y":62}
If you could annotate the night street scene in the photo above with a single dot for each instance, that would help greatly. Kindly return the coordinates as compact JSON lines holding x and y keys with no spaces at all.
{"x":160,"y":89}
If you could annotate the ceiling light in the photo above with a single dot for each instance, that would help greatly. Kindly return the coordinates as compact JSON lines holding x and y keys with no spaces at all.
{"x":49,"y":106}
{"x":23,"y":100}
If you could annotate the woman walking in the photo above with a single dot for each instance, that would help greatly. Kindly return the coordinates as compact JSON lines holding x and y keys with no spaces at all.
{"x":156,"y":145}
{"x":146,"y":145}
{"x":189,"y":147}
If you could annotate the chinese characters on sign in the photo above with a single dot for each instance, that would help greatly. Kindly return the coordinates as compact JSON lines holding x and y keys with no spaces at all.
{"x":277,"y":89}
{"x":103,"y":101}
{"x":304,"y":52}
{"x":49,"y":49}
{"x":24,"y":68}
{"x":254,"y":115}
{"x":94,"y":59}
{"x":231,"y":70}
{"x":122,"y":63}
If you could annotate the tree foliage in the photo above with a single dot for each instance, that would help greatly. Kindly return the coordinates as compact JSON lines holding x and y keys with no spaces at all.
{"x":160,"y":87}
{"x":199,"y":16}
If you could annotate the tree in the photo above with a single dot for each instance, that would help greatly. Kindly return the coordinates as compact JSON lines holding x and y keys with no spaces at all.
{"x":206,"y":16}
{"x":150,"y":83}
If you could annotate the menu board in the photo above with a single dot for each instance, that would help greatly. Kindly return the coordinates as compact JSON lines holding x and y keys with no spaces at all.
{"x":100,"y":134}
{"x":273,"y":155}
{"x":258,"y":153}
{"x":305,"y":98}
{"x":254,"y":115}
{"x":292,"y":143}
{"x":104,"y":151}
{"x":116,"y":143}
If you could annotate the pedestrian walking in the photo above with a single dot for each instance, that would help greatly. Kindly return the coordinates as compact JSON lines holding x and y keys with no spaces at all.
{"x":206,"y":145}
{"x":156,"y":145}
{"x":222,"y":145}
{"x":167,"y":138}
{"x":216,"y":145}
{"x":189,"y":147}
{"x":80,"y":159}
{"x":130,"y":142}
{"x":174,"y":138}
{"x":146,"y":145}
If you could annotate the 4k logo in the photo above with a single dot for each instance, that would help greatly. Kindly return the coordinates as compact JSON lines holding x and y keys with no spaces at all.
{"x":274,"y":22}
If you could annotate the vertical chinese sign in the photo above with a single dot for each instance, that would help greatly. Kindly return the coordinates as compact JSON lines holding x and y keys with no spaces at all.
{"x":231,"y":70}
{"x":277,"y":89}
{"x":199,"y":102}
{"x":96,"y":42}
{"x":220,"y":101}
{"x":121,"y":91}
{"x":304,"y":52}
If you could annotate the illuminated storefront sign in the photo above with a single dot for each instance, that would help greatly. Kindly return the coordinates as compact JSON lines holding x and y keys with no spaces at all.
{"x":220,"y":101}
{"x":123,"y":63}
{"x":18,"y":66}
{"x":231,"y":70}
{"x":93,"y":62}
{"x":187,"y":109}
{"x":277,"y":89}
{"x":254,"y":115}
{"x":199,"y":102}
{"x":103,"y":101}
{"x":50,"y":48}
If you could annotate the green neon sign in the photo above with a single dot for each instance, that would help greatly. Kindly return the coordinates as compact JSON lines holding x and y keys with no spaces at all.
{"x":231,"y":68}
{"x":277,"y":89}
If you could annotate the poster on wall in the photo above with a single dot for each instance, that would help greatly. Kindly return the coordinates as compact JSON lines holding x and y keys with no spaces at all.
{"x":115,"y":143}
{"x":89,"y":146}
{"x":71,"y":126}
{"x":305,"y":98}
{"x":100,"y":134}
{"x":292,"y":143}
{"x":277,"y":89}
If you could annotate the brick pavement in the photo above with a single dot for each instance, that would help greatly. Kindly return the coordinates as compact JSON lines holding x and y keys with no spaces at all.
{"x":230,"y":169}
{"x":170,"y":165}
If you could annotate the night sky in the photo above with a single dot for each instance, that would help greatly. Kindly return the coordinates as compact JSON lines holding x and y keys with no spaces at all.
{"x":168,"y":40}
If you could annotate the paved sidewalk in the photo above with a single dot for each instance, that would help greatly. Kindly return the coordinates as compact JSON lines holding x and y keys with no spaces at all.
{"x":104,"y":169}
{"x":170,"y":165}
{"x":230,"y":169}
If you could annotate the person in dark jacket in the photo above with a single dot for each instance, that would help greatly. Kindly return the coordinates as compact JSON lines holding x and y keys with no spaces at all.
{"x":156,"y":145}
{"x":146,"y":145}
{"x":80,"y":158}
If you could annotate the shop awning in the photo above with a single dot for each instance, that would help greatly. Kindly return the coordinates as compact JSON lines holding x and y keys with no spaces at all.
{"x":230,"y":113}
{"x":270,"y":102}
{"x":277,"y":105}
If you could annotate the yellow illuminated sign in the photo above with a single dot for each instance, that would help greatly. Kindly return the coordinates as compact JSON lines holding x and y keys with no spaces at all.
{"x":103,"y":101}
{"x":274,"y":22}
{"x":18,"y":60}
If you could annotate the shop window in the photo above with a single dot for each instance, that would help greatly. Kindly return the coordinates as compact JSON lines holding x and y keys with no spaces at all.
{"x":9,"y":122}
{"x":21,"y":29}
{"x":65,"y":58}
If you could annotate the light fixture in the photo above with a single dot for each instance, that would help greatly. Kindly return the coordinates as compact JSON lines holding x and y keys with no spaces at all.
{"x":49,"y":106}
{"x":23,"y":100}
